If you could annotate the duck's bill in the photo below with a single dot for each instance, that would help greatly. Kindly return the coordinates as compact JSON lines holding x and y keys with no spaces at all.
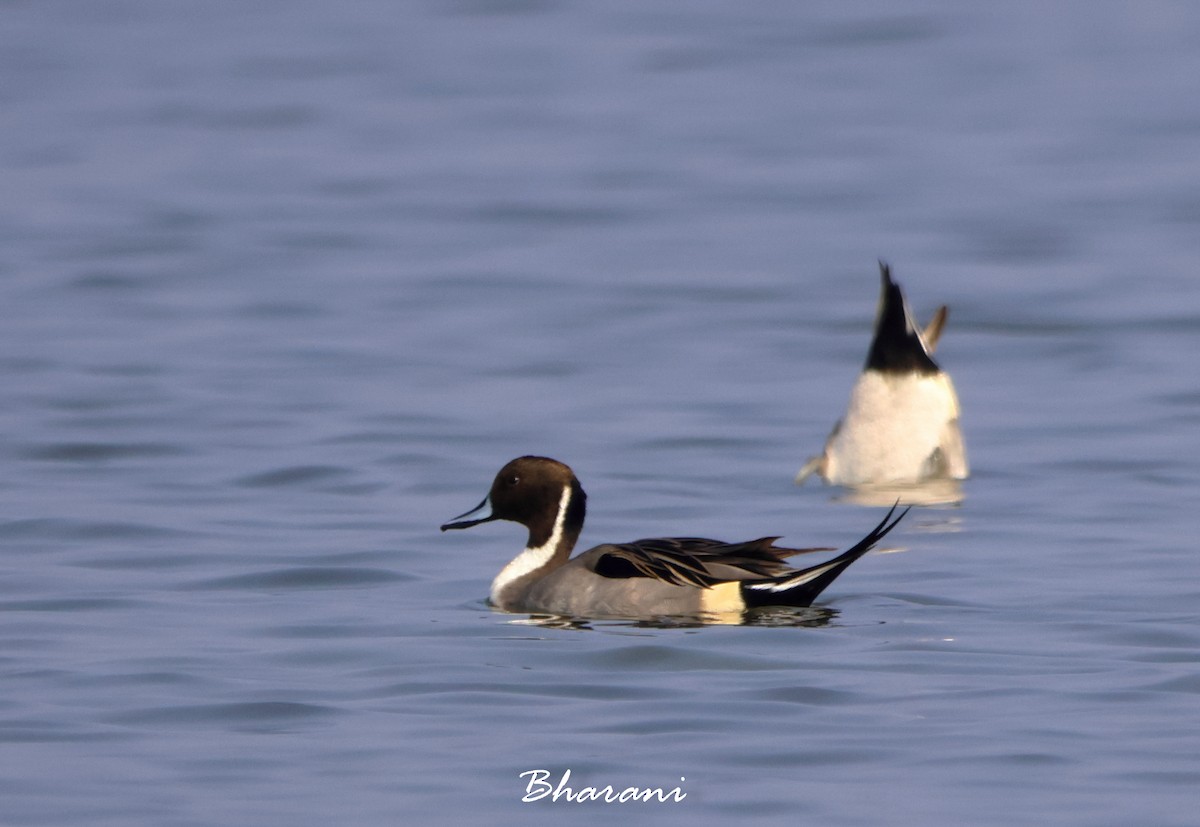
{"x":481,"y":513}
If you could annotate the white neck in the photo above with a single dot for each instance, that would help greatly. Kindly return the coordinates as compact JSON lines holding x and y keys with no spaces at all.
{"x":533,"y":557}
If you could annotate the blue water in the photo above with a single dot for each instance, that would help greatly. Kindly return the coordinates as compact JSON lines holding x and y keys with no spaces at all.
{"x":282,"y":285}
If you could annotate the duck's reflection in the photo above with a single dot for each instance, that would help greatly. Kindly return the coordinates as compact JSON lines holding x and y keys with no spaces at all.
{"x":928,"y":493}
{"x":773,"y":616}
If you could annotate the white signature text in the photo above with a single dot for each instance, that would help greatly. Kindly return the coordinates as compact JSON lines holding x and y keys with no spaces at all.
{"x":539,"y":787}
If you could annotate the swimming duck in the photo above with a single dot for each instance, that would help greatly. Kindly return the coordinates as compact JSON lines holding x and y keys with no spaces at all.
{"x":646,"y":578}
{"x":901,"y":425}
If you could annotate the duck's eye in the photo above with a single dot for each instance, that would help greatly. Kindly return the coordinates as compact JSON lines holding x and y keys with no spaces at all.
{"x":512,"y":481}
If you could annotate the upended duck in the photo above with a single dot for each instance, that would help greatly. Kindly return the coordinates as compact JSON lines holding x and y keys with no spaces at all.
{"x":902,"y":422}
{"x":647,"y":578}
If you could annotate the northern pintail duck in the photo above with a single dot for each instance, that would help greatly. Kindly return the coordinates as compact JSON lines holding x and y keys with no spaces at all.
{"x":646,"y":578}
{"x":901,"y":425}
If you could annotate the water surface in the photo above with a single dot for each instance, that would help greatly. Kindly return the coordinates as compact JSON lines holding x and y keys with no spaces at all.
{"x":283,"y":285}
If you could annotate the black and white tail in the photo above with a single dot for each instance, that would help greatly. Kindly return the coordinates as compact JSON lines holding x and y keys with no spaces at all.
{"x":801,"y":588}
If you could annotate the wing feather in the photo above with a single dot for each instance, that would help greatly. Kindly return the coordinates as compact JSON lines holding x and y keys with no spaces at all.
{"x":695,"y":561}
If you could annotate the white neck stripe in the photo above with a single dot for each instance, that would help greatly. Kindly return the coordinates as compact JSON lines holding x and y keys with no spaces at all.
{"x":534,"y":557}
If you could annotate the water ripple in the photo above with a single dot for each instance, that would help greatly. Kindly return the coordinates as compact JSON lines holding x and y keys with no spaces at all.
{"x":78,"y":604}
{"x":60,"y":528}
{"x":303,"y":577}
{"x":100,"y":451}
{"x":669,"y":658}
{"x":254,"y":715}
{"x":293,"y":475}
{"x":51,"y":732}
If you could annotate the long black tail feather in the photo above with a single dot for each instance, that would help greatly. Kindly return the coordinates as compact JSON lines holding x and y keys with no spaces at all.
{"x":802,"y":587}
